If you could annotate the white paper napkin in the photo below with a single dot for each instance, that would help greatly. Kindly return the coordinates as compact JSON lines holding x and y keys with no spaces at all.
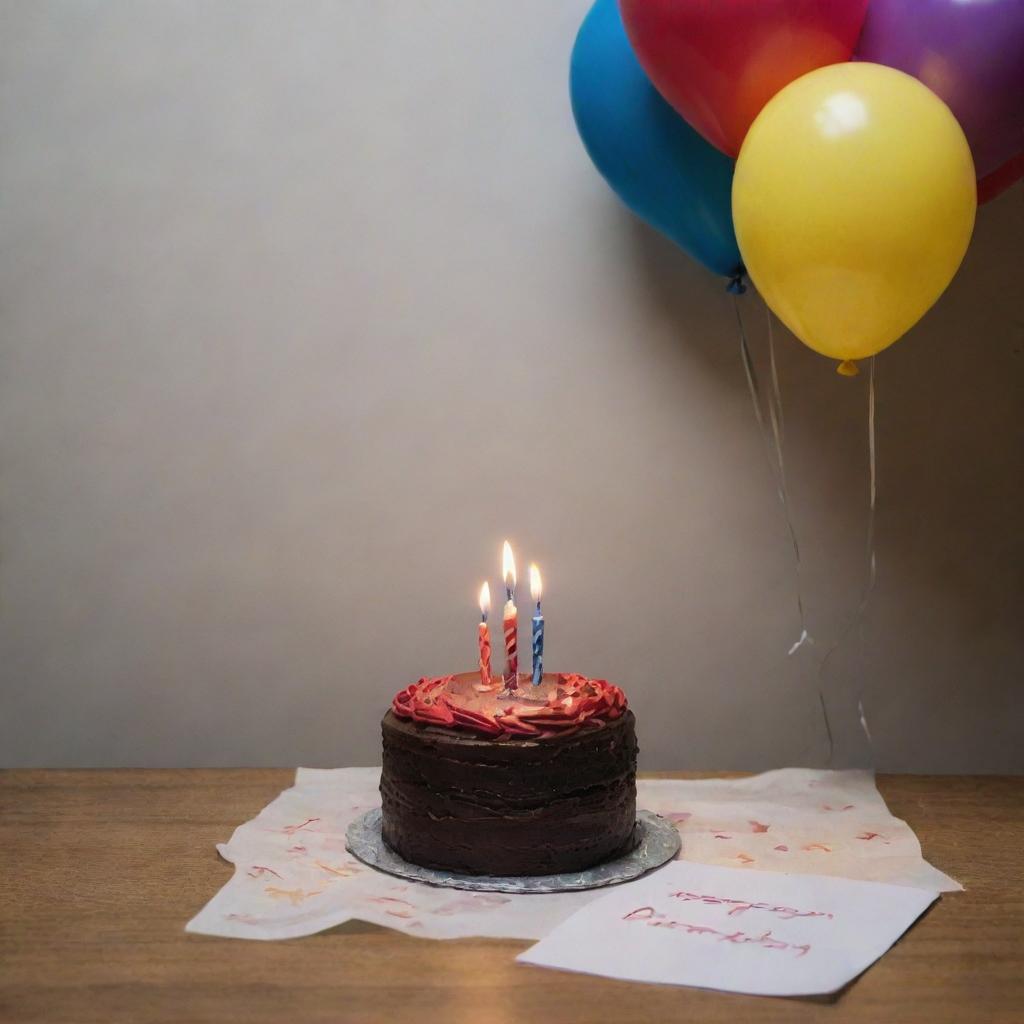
{"x":293,"y":875}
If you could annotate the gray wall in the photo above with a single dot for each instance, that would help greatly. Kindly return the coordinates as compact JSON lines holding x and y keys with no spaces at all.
{"x":306,"y":306}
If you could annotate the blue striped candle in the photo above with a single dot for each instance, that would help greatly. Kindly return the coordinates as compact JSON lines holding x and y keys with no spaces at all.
{"x":538,"y":626}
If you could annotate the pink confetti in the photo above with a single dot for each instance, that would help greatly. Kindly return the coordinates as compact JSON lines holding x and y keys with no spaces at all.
{"x":873,"y":835}
{"x":290,"y":830}
{"x":258,"y":871}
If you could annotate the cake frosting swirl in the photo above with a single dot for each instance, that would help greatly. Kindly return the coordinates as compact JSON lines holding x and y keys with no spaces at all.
{"x":566,"y":702}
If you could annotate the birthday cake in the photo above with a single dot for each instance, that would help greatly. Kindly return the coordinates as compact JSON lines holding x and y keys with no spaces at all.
{"x":488,"y":780}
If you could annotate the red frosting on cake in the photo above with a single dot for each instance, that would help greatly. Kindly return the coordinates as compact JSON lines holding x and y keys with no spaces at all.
{"x":572,"y":701}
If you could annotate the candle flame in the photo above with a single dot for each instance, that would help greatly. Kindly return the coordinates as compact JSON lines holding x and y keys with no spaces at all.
{"x":485,"y":599}
{"x":536,"y":586}
{"x":508,"y":566}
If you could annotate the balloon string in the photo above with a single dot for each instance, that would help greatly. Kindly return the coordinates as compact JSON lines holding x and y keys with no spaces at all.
{"x":774,"y":449}
{"x":872,"y":562}
{"x":776,"y":392}
{"x":752,"y":385}
{"x":872,"y":466}
{"x":778,"y":431}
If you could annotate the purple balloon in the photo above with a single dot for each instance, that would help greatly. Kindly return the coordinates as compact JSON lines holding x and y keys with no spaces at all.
{"x":970,"y":53}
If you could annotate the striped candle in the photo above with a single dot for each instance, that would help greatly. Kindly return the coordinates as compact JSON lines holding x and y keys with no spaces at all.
{"x":484,"y":637}
{"x":511,"y":647}
{"x":536,"y":589}
{"x":509,"y":619}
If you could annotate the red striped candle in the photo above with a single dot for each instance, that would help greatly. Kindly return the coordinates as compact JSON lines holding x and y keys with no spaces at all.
{"x":509,"y":619}
{"x":511,"y":647}
{"x":484,"y":638}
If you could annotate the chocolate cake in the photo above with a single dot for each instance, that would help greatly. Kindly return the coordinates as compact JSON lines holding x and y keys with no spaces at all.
{"x":538,"y":782}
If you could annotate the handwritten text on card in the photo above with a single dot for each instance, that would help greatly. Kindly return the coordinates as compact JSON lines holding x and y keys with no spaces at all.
{"x":764,"y":933}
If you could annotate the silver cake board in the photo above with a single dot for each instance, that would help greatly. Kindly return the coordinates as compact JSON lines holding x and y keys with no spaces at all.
{"x":657,"y":842}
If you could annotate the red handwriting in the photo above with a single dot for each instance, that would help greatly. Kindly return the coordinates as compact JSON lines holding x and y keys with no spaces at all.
{"x":650,"y":917}
{"x":742,"y":906}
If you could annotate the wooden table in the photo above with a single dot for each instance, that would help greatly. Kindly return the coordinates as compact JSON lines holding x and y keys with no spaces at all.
{"x":103,"y":868}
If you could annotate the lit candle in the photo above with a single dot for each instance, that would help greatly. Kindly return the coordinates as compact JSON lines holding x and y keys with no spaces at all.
{"x":536,"y":588}
{"x":485,"y":637}
{"x":508,"y":570}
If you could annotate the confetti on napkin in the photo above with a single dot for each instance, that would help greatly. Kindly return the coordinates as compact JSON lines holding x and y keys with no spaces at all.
{"x":762,"y":933}
{"x":794,"y":820}
{"x":293,"y":875}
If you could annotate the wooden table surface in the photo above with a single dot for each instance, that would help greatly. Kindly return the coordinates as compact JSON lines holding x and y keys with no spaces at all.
{"x":103,"y":868}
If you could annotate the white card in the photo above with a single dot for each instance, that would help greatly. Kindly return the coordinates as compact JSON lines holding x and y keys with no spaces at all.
{"x":762,"y":932}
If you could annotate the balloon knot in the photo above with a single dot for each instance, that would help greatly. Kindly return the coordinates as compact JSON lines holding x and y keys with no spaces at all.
{"x":847,"y":368}
{"x":736,"y":285}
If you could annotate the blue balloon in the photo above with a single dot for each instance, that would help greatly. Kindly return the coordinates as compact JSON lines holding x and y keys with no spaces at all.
{"x":657,"y":164}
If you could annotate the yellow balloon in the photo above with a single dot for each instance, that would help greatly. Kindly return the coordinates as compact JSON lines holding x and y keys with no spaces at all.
{"x":854,"y":200}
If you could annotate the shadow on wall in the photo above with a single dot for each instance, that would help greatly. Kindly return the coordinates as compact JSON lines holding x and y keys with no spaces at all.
{"x":950,"y":437}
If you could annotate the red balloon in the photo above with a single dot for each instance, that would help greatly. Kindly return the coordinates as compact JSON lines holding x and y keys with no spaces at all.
{"x":1001,"y":178}
{"x":718,"y":62}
